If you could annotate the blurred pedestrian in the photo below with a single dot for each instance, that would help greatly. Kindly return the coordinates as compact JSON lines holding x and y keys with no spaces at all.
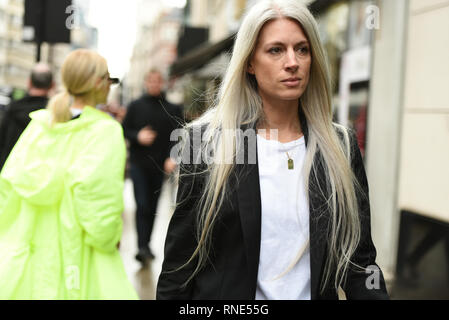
{"x":148,"y":123}
{"x":61,"y":195}
{"x":294,"y":222}
{"x":16,"y":117}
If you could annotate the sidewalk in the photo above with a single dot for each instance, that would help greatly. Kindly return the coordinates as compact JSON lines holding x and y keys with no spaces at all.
{"x":145,"y":280}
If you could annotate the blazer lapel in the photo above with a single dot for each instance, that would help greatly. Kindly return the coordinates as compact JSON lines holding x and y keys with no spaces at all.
{"x":249,"y":203}
{"x":317,"y":218}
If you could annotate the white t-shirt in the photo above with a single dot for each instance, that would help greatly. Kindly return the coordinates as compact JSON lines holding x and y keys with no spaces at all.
{"x":285,"y":222}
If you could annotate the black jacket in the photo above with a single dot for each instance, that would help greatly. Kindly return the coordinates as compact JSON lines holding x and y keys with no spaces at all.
{"x":15,"y":120}
{"x":234,"y":255}
{"x":163,"y":117}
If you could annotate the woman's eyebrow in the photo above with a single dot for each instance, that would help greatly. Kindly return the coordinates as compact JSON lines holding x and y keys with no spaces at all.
{"x":280,"y":43}
{"x":303,"y":42}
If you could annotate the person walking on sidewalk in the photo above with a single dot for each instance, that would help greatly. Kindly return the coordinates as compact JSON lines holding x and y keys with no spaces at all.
{"x":61,"y":195}
{"x":148,"y":124}
{"x":17,"y":113}
{"x":291,"y":220}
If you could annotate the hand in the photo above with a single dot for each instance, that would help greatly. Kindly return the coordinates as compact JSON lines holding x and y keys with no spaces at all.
{"x":146,"y":136}
{"x":169,"y":165}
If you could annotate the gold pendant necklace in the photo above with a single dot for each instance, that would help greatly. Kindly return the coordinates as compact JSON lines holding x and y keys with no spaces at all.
{"x":290,"y":162}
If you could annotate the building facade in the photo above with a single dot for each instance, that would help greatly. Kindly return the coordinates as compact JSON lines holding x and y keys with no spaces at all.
{"x":155,"y":47}
{"x":16,"y":57}
{"x":407,"y":124}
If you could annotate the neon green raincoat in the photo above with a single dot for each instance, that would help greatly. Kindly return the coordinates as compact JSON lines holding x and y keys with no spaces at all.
{"x":61,"y":199}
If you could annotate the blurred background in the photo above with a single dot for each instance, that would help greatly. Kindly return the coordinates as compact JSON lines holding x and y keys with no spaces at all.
{"x":390,"y":71}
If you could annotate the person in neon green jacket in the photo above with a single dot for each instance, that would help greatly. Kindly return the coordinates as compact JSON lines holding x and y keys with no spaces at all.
{"x":61,"y":195}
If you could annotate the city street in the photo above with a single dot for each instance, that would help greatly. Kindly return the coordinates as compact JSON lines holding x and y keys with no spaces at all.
{"x":145,"y":279}
{"x":353,"y":178}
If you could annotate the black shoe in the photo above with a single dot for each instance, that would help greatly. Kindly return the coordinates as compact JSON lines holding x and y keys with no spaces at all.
{"x":144,"y":256}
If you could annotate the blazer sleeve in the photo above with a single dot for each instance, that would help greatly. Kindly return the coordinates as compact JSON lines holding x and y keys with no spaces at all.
{"x":368,"y":283}
{"x":181,"y":241}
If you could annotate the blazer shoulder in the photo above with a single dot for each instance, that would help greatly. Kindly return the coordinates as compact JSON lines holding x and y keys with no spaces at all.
{"x":347,"y":137}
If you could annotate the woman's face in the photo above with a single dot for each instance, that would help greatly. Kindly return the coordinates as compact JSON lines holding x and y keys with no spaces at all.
{"x":281,"y":61}
{"x":154,"y":83}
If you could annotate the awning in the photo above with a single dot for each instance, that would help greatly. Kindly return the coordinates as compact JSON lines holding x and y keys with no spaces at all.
{"x":319,"y":6}
{"x":200,"y":56}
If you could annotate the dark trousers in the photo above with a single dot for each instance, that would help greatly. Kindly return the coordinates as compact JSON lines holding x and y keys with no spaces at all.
{"x":147,"y":189}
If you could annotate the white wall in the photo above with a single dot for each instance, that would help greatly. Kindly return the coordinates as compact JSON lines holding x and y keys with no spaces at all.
{"x":424,"y":174}
{"x":384,"y":127}
{"x":408,"y":119}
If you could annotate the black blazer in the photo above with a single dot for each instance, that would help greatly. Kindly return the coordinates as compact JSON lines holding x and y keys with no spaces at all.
{"x":231,"y":271}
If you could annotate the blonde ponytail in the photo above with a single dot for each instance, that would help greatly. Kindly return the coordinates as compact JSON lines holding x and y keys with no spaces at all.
{"x":79,"y":73}
{"x":59,"y":106}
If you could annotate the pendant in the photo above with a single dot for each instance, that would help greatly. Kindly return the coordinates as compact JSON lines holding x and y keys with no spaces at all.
{"x":290,"y":164}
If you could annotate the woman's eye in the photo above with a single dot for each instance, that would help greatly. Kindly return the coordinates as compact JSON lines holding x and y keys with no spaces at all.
{"x":303,"y":50}
{"x":275,"y":50}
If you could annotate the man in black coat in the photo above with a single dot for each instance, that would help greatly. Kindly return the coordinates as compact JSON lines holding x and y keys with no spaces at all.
{"x":16,"y":117}
{"x":148,"y":123}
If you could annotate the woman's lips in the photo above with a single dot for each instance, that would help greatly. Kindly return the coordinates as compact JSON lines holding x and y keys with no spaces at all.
{"x":291,"y":82}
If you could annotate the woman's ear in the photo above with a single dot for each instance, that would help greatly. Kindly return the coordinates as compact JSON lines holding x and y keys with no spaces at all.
{"x":99,"y":84}
{"x":250,"y":68}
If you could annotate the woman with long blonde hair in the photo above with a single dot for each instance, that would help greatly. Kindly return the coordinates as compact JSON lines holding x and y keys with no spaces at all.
{"x":61,"y":195}
{"x":291,"y":220}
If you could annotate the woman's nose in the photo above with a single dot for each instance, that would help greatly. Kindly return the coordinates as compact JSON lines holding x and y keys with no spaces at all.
{"x":291,"y":62}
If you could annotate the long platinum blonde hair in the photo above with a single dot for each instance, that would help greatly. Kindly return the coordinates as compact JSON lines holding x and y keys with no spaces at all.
{"x":238,"y":102}
{"x":79,"y":72}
